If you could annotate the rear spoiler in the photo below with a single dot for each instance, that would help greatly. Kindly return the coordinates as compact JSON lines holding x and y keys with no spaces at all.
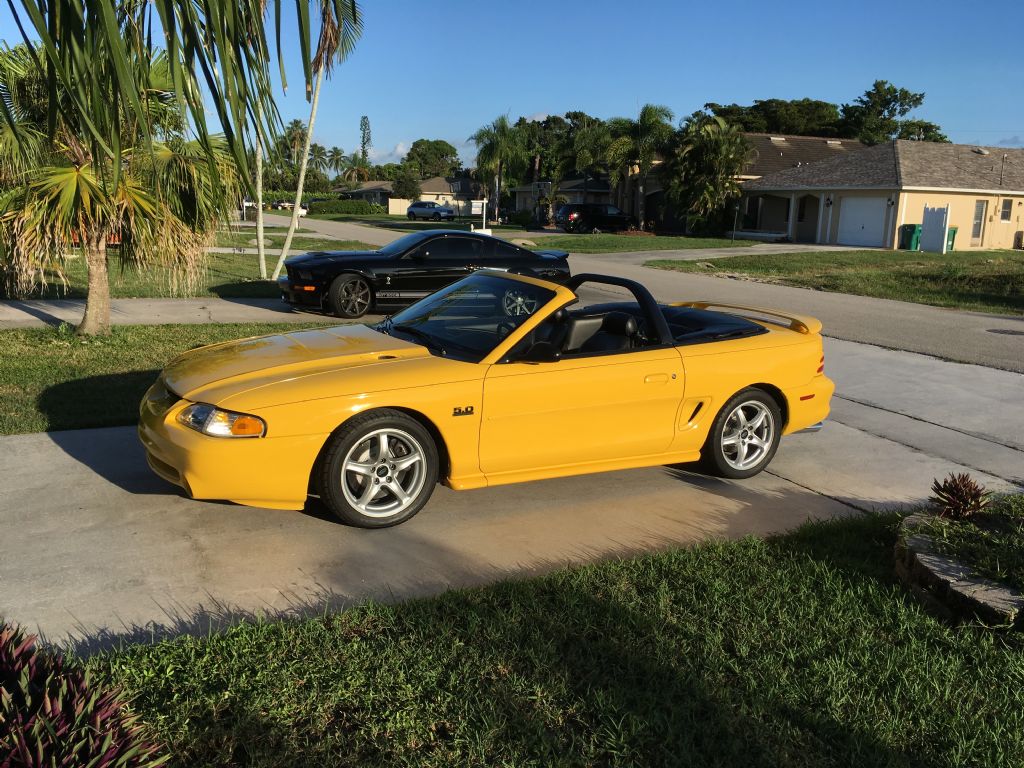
{"x":798,"y":323}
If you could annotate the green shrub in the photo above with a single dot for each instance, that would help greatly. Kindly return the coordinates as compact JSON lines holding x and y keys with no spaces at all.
{"x":356,"y":207}
{"x":959,"y":497}
{"x":521,"y":218}
{"x":51,"y":714}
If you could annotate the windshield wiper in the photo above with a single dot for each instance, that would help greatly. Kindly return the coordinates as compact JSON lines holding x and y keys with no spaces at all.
{"x":426,"y":338}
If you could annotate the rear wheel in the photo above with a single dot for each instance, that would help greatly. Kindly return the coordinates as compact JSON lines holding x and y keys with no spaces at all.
{"x":436,"y":217}
{"x":379,"y":470}
{"x":744,"y":436}
{"x":411,"y":216}
{"x":350,"y":296}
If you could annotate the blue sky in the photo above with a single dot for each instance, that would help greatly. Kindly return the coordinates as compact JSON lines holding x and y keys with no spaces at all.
{"x":442,"y":69}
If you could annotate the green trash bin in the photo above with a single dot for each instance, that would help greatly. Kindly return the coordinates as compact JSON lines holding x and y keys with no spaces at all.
{"x":910,"y":237}
{"x":950,"y":238}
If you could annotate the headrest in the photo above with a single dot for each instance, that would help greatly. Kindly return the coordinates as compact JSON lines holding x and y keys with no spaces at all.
{"x":559,"y":315}
{"x":619,"y":323}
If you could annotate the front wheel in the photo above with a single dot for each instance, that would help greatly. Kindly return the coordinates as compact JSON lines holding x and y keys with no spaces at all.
{"x":744,"y":436}
{"x":350,"y":296}
{"x":411,"y":216}
{"x":379,"y":470}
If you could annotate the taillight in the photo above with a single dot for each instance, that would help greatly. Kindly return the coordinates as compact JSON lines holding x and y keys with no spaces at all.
{"x":573,"y":216}
{"x":821,"y":364}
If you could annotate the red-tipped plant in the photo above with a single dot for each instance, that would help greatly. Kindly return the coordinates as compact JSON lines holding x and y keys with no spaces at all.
{"x":959,"y":496}
{"x":52,"y":715}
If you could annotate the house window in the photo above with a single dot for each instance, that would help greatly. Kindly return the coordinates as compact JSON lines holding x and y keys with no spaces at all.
{"x":1006,"y":211}
{"x":801,"y":209}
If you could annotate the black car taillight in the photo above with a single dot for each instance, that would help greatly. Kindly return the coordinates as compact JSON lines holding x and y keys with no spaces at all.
{"x":573,"y":216}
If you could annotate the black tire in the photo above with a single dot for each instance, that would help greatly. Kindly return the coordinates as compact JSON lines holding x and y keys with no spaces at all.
{"x":718,"y":458}
{"x":411,"y":216}
{"x":339,"y":484}
{"x":595,"y":231}
{"x":350,"y":296}
{"x":436,"y":217}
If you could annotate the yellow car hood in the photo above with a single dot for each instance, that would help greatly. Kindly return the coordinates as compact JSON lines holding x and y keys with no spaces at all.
{"x":210,"y":374}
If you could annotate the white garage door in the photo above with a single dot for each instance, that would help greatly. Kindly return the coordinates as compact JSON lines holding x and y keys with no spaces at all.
{"x":862,"y":221}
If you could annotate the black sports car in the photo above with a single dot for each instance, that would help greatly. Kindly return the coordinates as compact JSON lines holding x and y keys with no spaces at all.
{"x":352,"y":283}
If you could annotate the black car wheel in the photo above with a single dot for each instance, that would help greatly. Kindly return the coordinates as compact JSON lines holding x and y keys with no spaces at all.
{"x":350,"y":296}
{"x":379,"y":470}
{"x":412,"y":216}
{"x":595,"y":231}
{"x":436,"y":217}
{"x":744,"y":436}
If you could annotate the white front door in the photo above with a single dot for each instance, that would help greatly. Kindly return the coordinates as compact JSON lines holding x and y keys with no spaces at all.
{"x":978,"y":228}
{"x":862,"y":221}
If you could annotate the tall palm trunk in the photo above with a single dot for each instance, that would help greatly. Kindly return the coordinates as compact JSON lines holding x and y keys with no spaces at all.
{"x":497,"y":194}
{"x":96,"y":320}
{"x":260,"y":248}
{"x":303,"y":163}
{"x":642,"y":201}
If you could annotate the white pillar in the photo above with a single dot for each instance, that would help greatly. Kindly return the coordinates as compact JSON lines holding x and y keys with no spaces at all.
{"x":791,"y":232}
{"x":821,"y":214}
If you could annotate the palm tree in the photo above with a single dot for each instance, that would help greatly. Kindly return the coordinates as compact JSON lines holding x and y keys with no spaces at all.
{"x":294,"y":137}
{"x":589,"y":149}
{"x":637,"y":144}
{"x":160,"y":201}
{"x":355,"y":169}
{"x":702,"y":169}
{"x":341,"y":24}
{"x":317,"y":157}
{"x":336,"y":159}
{"x":96,"y":55}
{"x":499,"y":148}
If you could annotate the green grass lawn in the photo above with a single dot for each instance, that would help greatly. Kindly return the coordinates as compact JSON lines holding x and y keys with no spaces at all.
{"x":607,"y":243}
{"x":51,"y":379}
{"x":227,"y":274}
{"x":987,"y":281}
{"x":798,"y":651}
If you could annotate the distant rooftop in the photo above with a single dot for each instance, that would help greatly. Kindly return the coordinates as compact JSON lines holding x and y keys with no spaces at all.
{"x":777,"y":152}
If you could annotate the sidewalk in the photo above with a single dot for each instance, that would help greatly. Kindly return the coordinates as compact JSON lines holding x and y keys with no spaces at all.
{"x":39,"y":314}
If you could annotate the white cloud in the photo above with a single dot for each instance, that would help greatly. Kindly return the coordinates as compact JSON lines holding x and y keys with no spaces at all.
{"x":1012,"y":141}
{"x":538,"y":117}
{"x":395,"y":155}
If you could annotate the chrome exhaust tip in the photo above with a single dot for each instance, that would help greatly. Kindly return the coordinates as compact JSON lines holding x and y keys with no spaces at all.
{"x":813,"y":428}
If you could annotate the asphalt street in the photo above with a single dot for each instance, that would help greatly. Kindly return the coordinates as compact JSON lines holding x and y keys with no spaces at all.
{"x":94,"y":548}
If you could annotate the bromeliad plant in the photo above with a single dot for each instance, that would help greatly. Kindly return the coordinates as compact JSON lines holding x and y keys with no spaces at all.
{"x":959,"y":497}
{"x":52,"y":716}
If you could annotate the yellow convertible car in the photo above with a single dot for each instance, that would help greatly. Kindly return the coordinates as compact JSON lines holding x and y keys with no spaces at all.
{"x":498,"y":378}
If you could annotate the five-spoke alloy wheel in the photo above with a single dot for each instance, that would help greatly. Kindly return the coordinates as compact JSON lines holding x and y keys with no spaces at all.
{"x":745,"y":435}
{"x":350,"y":296}
{"x":379,"y":470}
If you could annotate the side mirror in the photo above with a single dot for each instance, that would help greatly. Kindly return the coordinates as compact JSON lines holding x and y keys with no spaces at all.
{"x":541,"y":352}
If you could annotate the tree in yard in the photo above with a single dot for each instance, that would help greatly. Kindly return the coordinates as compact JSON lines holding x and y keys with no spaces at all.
{"x":341,"y":24}
{"x":365,"y":140}
{"x":591,"y":141}
{"x":499,"y":149}
{"x":877,"y":115}
{"x":797,"y":117}
{"x":336,"y":159}
{"x":356,"y":169}
{"x":433,"y":157}
{"x":702,"y":166}
{"x":406,"y":184}
{"x":638,"y":143}
{"x":294,"y":137}
{"x":317,"y":157}
{"x":160,"y":201}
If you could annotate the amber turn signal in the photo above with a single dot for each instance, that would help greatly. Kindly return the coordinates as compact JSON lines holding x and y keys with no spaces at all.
{"x":247,"y":426}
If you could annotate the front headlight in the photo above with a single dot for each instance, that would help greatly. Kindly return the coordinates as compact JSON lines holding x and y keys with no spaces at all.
{"x":213,"y":421}
{"x":304,"y":275}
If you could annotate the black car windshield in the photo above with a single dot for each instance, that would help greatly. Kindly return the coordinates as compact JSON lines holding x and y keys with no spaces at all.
{"x":403,"y":244}
{"x":469,"y":318}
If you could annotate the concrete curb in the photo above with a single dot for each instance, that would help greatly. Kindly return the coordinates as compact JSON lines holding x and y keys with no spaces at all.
{"x":950,"y":588}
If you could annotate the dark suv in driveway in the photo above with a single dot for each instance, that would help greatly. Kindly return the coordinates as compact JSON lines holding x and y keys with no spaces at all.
{"x":592,"y":217}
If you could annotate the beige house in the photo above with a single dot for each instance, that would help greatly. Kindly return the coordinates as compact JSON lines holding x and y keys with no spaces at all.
{"x":454,"y":192}
{"x":863,"y":198}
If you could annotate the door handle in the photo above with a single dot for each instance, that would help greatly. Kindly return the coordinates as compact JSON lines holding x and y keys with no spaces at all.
{"x":656,"y":378}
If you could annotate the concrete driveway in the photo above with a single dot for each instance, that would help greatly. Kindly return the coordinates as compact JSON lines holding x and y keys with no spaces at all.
{"x":95,"y":548}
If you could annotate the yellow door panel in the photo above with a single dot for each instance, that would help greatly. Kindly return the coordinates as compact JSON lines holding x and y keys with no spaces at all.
{"x":583,"y":409}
